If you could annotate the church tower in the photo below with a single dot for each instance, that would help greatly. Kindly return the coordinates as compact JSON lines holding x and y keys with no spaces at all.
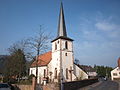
{"x":62,"y":53}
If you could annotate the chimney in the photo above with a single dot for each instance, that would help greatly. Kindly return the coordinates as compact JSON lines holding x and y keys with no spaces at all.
{"x":119,"y":62}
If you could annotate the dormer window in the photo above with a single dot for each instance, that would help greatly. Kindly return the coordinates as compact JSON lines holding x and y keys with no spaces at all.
{"x":66,"y":45}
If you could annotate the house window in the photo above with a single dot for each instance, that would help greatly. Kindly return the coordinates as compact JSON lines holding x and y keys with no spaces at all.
{"x":44,"y":73}
{"x":55,"y":46}
{"x":55,"y":73}
{"x":66,"y":45}
{"x":114,"y":74}
{"x":66,"y":73}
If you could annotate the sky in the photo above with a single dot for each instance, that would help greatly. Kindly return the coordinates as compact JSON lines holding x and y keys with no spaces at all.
{"x":93,"y":24}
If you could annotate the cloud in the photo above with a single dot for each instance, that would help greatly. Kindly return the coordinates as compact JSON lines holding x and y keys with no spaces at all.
{"x":99,"y":39}
{"x":109,"y":27}
{"x":106,"y":26}
{"x":92,"y":35}
{"x":114,"y":34}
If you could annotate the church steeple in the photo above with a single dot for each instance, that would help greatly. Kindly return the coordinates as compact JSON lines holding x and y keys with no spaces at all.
{"x":62,"y":34}
{"x":61,"y":24}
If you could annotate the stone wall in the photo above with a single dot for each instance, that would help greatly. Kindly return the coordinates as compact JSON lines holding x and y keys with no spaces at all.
{"x":51,"y":87}
{"x":23,"y":87}
{"x":78,"y":84}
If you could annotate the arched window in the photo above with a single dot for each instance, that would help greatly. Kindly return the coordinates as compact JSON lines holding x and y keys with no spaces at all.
{"x":66,"y":45}
{"x":31,"y":71}
{"x":66,"y":73}
{"x":65,"y":54}
{"x":55,"y":46}
{"x":44,"y":73}
{"x":55,"y":73}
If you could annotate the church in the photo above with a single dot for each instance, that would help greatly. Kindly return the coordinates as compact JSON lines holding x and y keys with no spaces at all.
{"x":58,"y":64}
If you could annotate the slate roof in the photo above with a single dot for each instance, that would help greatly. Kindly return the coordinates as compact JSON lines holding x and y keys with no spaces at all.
{"x":62,"y":34}
{"x":87,"y":68}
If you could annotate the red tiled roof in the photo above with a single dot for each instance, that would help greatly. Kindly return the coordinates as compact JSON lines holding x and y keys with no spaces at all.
{"x":43,"y":59}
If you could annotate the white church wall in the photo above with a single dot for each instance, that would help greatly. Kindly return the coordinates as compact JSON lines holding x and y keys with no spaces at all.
{"x":67,"y":63}
{"x":66,"y":57}
{"x":40,"y":73}
{"x":80,"y":74}
{"x":57,"y":42}
{"x":70,"y":48}
{"x":55,"y":62}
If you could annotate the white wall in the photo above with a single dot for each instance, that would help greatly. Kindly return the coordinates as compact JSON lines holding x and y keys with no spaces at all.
{"x":55,"y":62}
{"x":60,"y":54}
{"x":67,"y":61}
{"x":92,"y":74}
{"x":80,"y":74}
{"x":117,"y":71}
{"x":40,"y":73}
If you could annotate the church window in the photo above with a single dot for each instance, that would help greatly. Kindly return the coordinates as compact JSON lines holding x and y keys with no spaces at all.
{"x":66,"y":45}
{"x":65,"y":54}
{"x":44,"y":73}
{"x":31,"y":71}
{"x":55,"y":73}
{"x":58,"y":42}
{"x":55,"y":46}
{"x":66,"y":73}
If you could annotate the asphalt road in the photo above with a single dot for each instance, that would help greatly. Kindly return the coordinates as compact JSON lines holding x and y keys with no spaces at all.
{"x":104,"y":85}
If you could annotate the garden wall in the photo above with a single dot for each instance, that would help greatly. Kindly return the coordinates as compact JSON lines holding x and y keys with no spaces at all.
{"x":23,"y":87}
{"x":74,"y":85}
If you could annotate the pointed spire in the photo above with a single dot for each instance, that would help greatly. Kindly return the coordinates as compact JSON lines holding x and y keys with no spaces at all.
{"x":62,"y":34}
{"x":61,"y":24}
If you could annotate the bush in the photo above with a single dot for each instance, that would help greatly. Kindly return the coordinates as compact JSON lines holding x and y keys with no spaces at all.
{"x":30,"y":77}
{"x":25,"y":82}
{"x":9,"y":80}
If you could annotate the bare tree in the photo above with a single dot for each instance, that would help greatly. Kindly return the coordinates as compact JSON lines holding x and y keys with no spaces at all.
{"x":39,"y":44}
{"x":22,"y":45}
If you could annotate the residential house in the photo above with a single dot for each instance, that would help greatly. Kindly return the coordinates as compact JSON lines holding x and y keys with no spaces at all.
{"x":91,"y":72}
{"x":115,"y":73}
